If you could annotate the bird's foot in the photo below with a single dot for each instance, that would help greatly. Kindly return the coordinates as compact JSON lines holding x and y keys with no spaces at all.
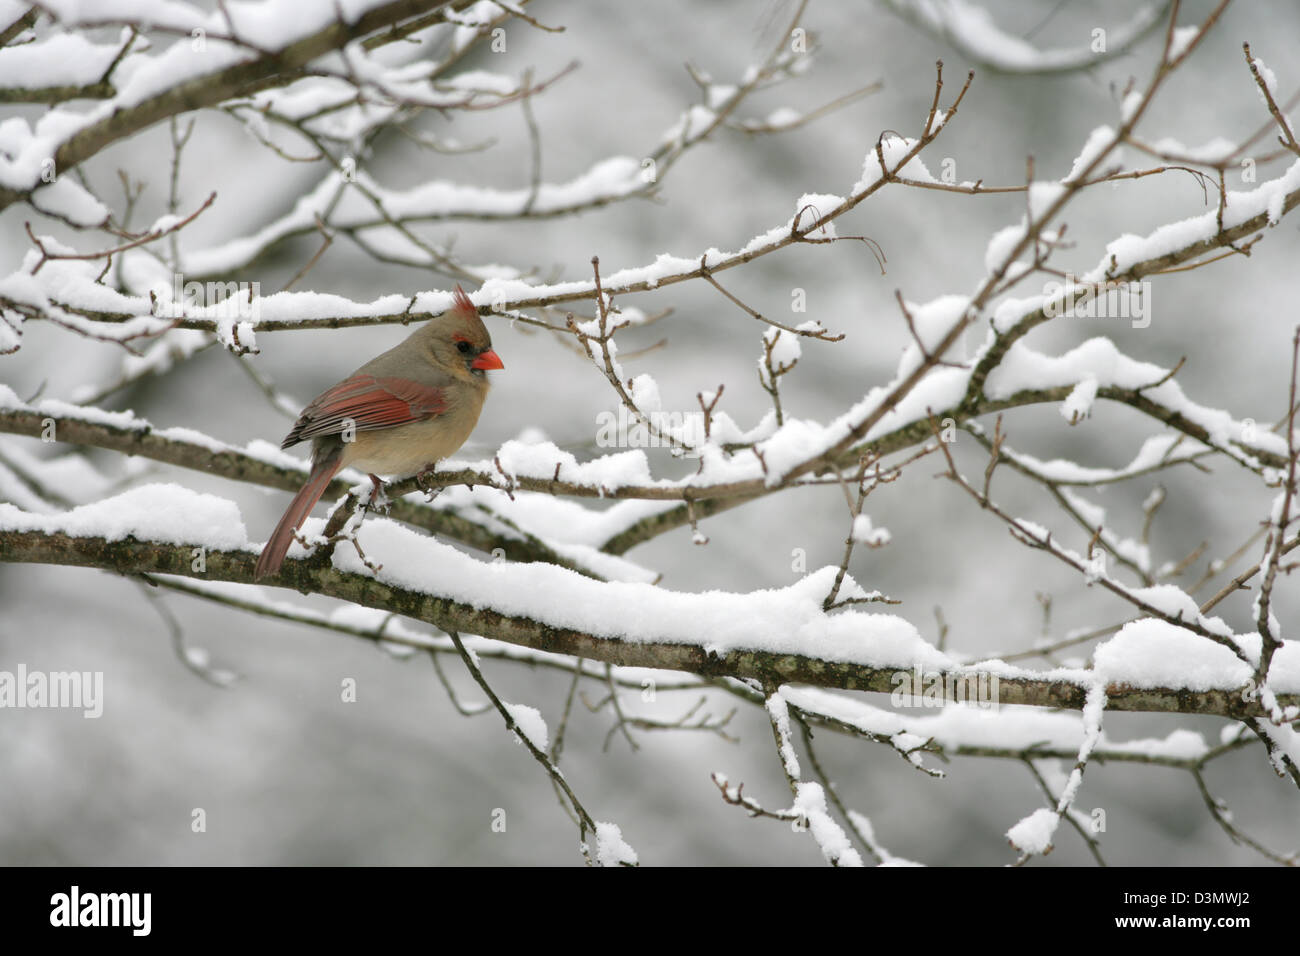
{"x":424,"y":479}
{"x":378,"y":500}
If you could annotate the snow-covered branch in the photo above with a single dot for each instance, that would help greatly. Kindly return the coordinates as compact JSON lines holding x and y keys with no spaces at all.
{"x":558,"y":611}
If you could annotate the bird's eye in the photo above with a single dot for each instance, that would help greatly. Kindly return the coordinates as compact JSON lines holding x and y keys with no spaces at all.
{"x":463,"y":347}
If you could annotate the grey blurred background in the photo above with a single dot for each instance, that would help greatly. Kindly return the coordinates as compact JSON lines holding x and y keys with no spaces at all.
{"x":288,"y":774}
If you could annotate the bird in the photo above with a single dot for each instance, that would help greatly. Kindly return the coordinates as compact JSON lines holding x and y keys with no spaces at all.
{"x":397,"y":415}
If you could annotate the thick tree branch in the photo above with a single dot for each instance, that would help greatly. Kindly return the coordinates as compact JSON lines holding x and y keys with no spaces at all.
{"x":130,"y":556}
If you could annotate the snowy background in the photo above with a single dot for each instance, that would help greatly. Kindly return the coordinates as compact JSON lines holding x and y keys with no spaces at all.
{"x":289,"y":774}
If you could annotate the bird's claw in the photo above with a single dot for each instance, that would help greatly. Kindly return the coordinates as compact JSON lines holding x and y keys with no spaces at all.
{"x":378,"y":500}
{"x":424,"y":480}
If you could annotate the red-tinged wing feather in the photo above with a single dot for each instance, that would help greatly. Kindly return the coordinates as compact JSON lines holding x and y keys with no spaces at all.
{"x":367,"y":403}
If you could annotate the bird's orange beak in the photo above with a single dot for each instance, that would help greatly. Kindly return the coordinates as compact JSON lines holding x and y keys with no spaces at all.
{"x":487,"y":360}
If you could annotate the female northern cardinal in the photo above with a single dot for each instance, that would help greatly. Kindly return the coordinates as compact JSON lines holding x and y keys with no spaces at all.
{"x":396,"y":415}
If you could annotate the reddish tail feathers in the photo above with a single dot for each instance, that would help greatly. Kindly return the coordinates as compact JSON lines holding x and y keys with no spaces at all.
{"x":322,"y":472}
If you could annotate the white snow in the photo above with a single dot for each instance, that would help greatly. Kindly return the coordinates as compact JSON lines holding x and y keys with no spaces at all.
{"x":972,"y":30}
{"x":611,"y":848}
{"x":865,"y":533}
{"x":1098,"y":141}
{"x":531,"y":724}
{"x":1128,"y":109}
{"x":1155,"y":653}
{"x":1078,"y":404}
{"x":1182,"y":39}
{"x":1033,"y":834}
{"x":810,"y":801}
{"x":168,"y":514}
{"x":1013,"y":727}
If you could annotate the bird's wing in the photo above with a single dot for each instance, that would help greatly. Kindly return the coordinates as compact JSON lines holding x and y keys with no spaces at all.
{"x":367,"y":403}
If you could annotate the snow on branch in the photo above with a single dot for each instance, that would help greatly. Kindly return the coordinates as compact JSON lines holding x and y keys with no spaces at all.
{"x":327,"y":83}
{"x":970,"y":29}
{"x":779,"y":636}
{"x":473,"y":518}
